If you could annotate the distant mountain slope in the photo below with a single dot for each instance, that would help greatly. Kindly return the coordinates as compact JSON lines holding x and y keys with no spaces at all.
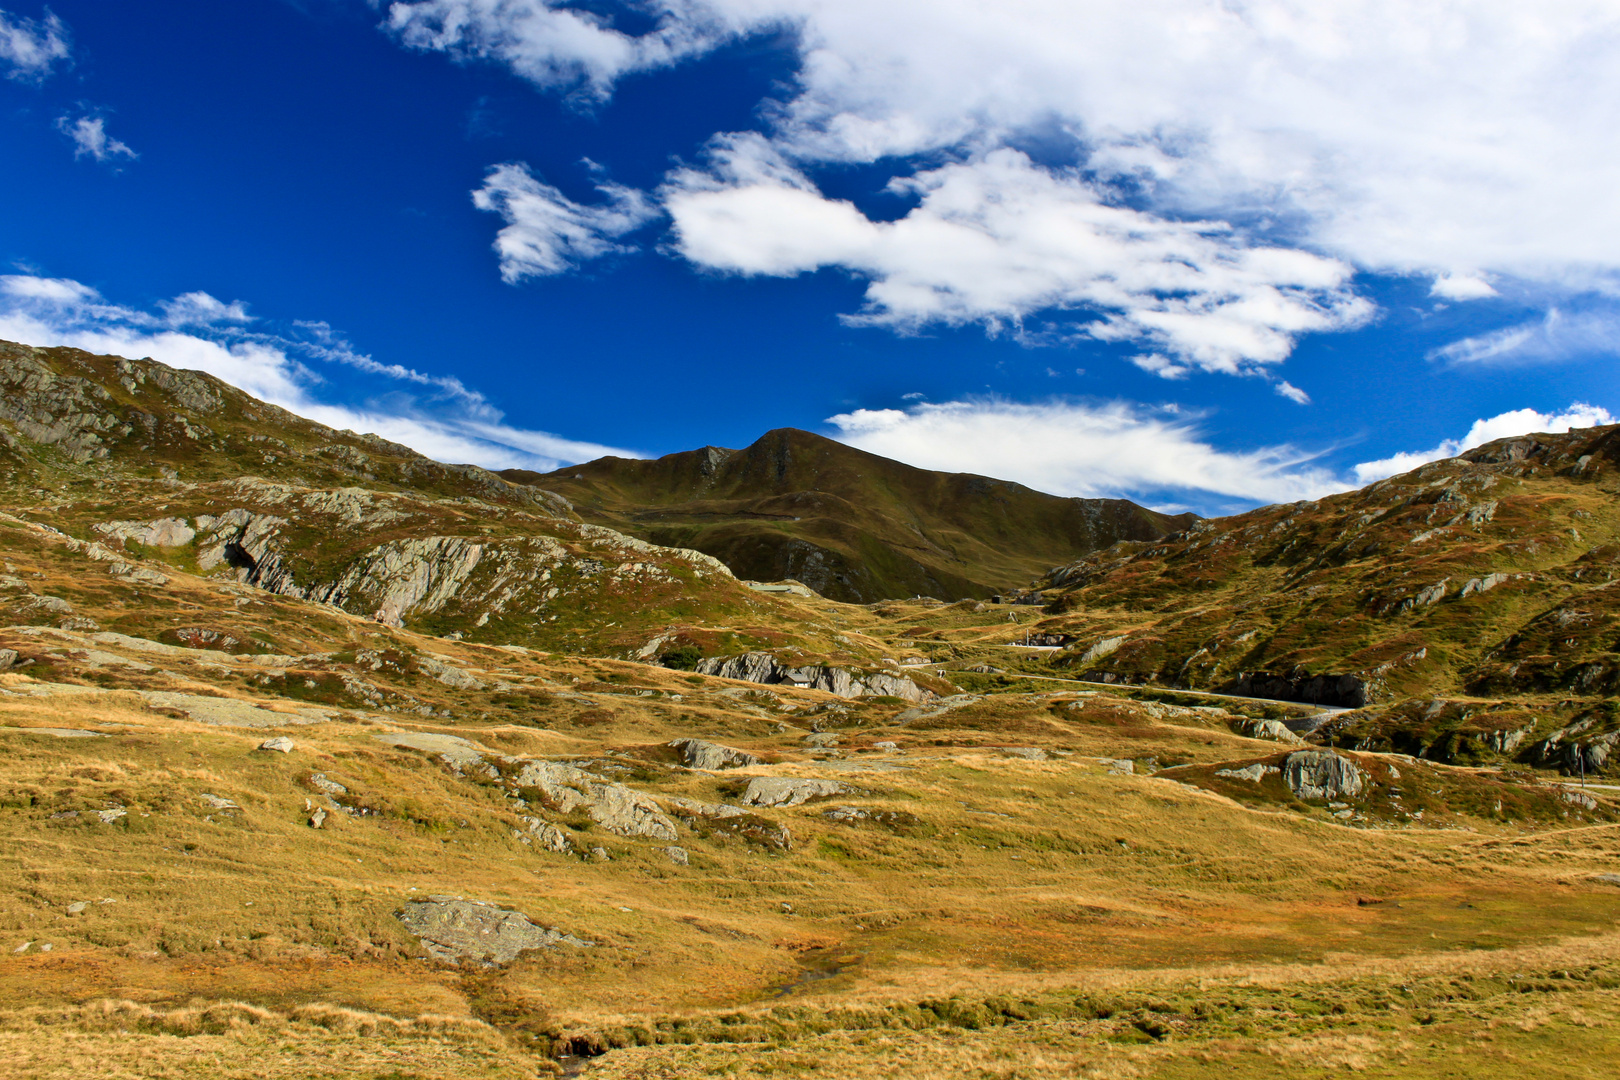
{"x":151,"y":474}
{"x":1486,"y":575}
{"x":851,"y":525}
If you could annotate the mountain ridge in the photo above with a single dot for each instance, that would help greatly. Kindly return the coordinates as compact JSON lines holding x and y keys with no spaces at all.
{"x":852,"y":525}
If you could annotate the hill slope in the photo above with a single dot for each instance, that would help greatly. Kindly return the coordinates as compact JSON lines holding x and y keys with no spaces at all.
{"x":1483,"y":584}
{"x":154,"y":472}
{"x":287,"y":789}
{"x":851,"y":525}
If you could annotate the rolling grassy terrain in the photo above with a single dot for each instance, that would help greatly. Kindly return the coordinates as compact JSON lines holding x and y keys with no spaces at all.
{"x":1021,"y":872}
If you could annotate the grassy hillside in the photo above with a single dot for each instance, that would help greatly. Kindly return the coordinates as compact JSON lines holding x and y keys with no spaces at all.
{"x":319,"y":759}
{"x":851,"y":525}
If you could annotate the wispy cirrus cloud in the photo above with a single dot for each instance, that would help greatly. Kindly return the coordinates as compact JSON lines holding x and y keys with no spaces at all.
{"x":1557,"y":335}
{"x":548,"y":233}
{"x":90,"y":139}
{"x":1088,"y":450}
{"x":280,"y":365}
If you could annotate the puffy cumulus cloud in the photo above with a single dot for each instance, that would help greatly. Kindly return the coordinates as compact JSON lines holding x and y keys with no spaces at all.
{"x":1557,"y":335}
{"x":546,"y":232}
{"x":1075,"y":449}
{"x":90,"y":139}
{"x":199,"y":332}
{"x":1455,"y":137}
{"x":31,"y":49}
{"x":998,"y":239}
{"x":1501,"y":426}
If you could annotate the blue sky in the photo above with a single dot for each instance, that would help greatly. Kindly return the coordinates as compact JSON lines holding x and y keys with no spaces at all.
{"x":1202,"y":255}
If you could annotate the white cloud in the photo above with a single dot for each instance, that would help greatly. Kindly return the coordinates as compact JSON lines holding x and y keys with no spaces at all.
{"x":1555,"y":336}
{"x":200,"y":309}
{"x":30,"y":49}
{"x":456,"y":424}
{"x":546,"y":232}
{"x":553,"y":44}
{"x":1083,"y":450}
{"x":1292,"y":393}
{"x":998,"y":239}
{"x":90,"y":139}
{"x":1462,"y":287}
{"x":1464,"y":139}
{"x":1501,"y":426}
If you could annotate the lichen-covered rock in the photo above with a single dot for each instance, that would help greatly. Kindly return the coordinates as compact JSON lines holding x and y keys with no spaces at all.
{"x":692,"y":808}
{"x":1252,"y":773}
{"x":456,"y":930}
{"x":711,"y":757}
{"x":1275,"y":730}
{"x":789,"y":791}
{"x":1322,"y":774}
{"x":164,"y":532}
{"x":618,"y":809}
{"x":546,"y":836}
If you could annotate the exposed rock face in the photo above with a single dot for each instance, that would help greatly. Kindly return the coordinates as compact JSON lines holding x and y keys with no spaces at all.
{"x":546,"y":836}
{"x":938,"y":708}
{"x":1320,"y":774}
{"x":787,"y":791}
{"x":1252,"y":773}
{"x":454,"y":930}
{"x":1028,"y":753}
{"x":622,"y":810}
{"x":1568,"y":752}
{"x":1268,"y":729}
{"x":8,"y":659}
{"x":164,"y":532}
{"x":1349,"y":691}
{"x":762,"y":667}
{"x":691,"y":808}
{"x":711,"y":757}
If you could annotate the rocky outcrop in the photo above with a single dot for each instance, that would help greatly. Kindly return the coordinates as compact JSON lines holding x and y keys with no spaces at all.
{"x":711,"y":757}
{"x":164,"y":532}
{"x":618,"y":809}
{"x":1252,"y":773}
{"x":1349,"y":691}
{"x":455,"y":930}
{"x":1267,"y":729}
{"x":1573,"y":752}
{"x":938,"y":708}
{"x":762,"y":667}
{"x":1322,"y":774}
{"x":789,"y":791}
{"x":545,"y":836}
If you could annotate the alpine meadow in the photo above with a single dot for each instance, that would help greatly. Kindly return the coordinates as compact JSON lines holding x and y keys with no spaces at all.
{"x":760,"y":539}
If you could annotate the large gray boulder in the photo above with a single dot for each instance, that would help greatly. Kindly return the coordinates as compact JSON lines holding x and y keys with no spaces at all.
{"x":1322,"y":774}
{"x":712,"y":757}
{"x":453,"y":930}
{"x":789,"y":791}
